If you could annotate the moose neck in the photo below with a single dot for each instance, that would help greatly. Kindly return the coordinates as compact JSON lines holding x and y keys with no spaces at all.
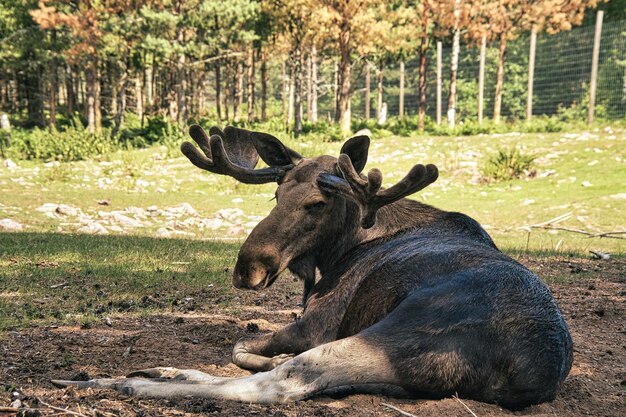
{"x":400,"y":215}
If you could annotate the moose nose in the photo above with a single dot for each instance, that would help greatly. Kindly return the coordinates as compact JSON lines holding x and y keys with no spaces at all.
{"x":253,"y":274}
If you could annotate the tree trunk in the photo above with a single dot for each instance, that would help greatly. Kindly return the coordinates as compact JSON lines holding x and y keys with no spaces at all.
{"x":120,"y":107}
{"x":91,"y":97}
{"x":292,"y":76}
{"x":218,"y":91}
{"x":497,"y":102}
{"x":149,"y":76}
{"x":297,"y":65}
{"x":309,"y":87}
{"x":367,"y":91}
{"x":81,"y":91}
{"x":401,"y":98}
{"x":202,"y":94}
{"x":379,"y":102}
{"x":263,"y":85}
{"x":70,"y":101}
{"x":97,"y":95}
{"x":336,"y":90}
{"x":238,"y":91}
{"x":54,"y":89}
{"x":421,"y":86}
{"x":227,"y":90}
{"x":454,"y":65}
{"x":34,"y":95}
{"x":313,"y":84}
{"x":181,"y":92}
{"x":481,"y":77}
{"x":251,"y":115}
{"x":345,"y":67}
{"x":4,"y":90}
{"x":139,"y":97}
{"x":285,"y":93}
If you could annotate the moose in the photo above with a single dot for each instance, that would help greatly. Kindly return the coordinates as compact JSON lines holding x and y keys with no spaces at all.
{"x":410,"y":299}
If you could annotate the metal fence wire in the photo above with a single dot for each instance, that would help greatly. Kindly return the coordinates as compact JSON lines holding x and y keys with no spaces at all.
{"x":561,"y":78}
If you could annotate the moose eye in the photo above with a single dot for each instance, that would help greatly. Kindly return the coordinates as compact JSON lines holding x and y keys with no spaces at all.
{"x":316,"y":206}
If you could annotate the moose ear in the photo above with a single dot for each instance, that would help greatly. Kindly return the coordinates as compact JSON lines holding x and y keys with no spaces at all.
{"x":273,"y":152}
{"x":356,"y":148}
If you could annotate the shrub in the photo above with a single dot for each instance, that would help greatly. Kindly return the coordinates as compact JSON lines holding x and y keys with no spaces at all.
{"x":72,"y":144}
{"x":508,"y":164}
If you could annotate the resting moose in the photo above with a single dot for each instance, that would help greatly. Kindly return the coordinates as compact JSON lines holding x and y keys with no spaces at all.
{"x":410,"y":296}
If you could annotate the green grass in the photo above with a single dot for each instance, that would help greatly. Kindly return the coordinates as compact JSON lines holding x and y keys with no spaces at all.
{"x":47,"y":277}
{"x":115,"y":273}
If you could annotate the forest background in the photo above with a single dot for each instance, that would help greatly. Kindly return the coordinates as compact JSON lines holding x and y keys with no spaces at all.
{"x":82,"y":77}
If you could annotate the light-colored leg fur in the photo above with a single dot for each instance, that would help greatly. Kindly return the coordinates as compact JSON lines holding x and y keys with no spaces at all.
{"x":346,"y":362}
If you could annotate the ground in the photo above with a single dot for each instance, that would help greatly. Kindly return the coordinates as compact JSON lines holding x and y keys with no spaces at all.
{"x":591,"y":294}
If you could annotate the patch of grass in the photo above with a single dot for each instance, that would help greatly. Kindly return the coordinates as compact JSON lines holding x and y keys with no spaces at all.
{"x":78,"y":278}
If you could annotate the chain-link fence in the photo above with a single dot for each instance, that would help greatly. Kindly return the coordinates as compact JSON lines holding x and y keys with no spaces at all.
{"x":561,"y":84}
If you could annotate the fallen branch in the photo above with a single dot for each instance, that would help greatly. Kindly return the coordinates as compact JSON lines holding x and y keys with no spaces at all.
{"x":464,"y":405}
{"x":557,"y":219}
{"x":609,"y":235}
{"x":62,"y":410}
{"x":404,"y":413}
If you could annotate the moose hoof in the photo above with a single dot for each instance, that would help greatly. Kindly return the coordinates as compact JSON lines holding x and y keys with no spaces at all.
{"x":161,"y":372}
{"x":280,"y":359}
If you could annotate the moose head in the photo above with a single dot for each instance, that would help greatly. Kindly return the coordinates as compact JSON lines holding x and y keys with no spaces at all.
{"x":324,"y":204}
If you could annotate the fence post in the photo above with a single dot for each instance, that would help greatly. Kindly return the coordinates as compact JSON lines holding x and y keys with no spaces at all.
{"x":367,"y":91}
{"x":531,"y":73}
{"x":401,"y":103}
{"x":481,"y":78}
{"x":439,"y":53}
{"x":594,"y":66}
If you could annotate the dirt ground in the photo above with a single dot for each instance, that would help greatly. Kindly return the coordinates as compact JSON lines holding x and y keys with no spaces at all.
{"x":592,"y":298}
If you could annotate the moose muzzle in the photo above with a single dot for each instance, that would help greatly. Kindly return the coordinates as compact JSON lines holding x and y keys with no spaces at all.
{"x":254,"y":271}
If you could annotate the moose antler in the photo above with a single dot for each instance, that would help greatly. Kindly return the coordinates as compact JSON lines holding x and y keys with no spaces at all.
{"x":367,"y":192}
{"x":230,"y":152}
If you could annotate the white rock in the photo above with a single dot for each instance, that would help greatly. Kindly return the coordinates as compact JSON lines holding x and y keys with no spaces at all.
{"x":48,"y":208}
{"x":161,"y":190}
{"x":136,"y":211}
{"x":229,"y":214}
{"x":212,"y":224}
{"x":65,"y":210}
{"x":547,"y":173}
{"x":10,"y":164}
{"x":152,"y":209}
{"x":182,"y":209}
{"x":93,"y":228}
{"x":620,"y":196}
{"x":237,"y":200}
{"x":126,"y":221}
{"x":10,"y":225}
{"x":586,"y":184}
{"x":142,"y":183}
{"x":163,"y":232}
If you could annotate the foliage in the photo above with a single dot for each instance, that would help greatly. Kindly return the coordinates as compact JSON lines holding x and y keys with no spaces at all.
{"x":72,"y":144}
{"x":508,"y":164}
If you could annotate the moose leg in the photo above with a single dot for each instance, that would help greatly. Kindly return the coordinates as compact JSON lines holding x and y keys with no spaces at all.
{"x":265,"y":352}
{"x":346,"y":362}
